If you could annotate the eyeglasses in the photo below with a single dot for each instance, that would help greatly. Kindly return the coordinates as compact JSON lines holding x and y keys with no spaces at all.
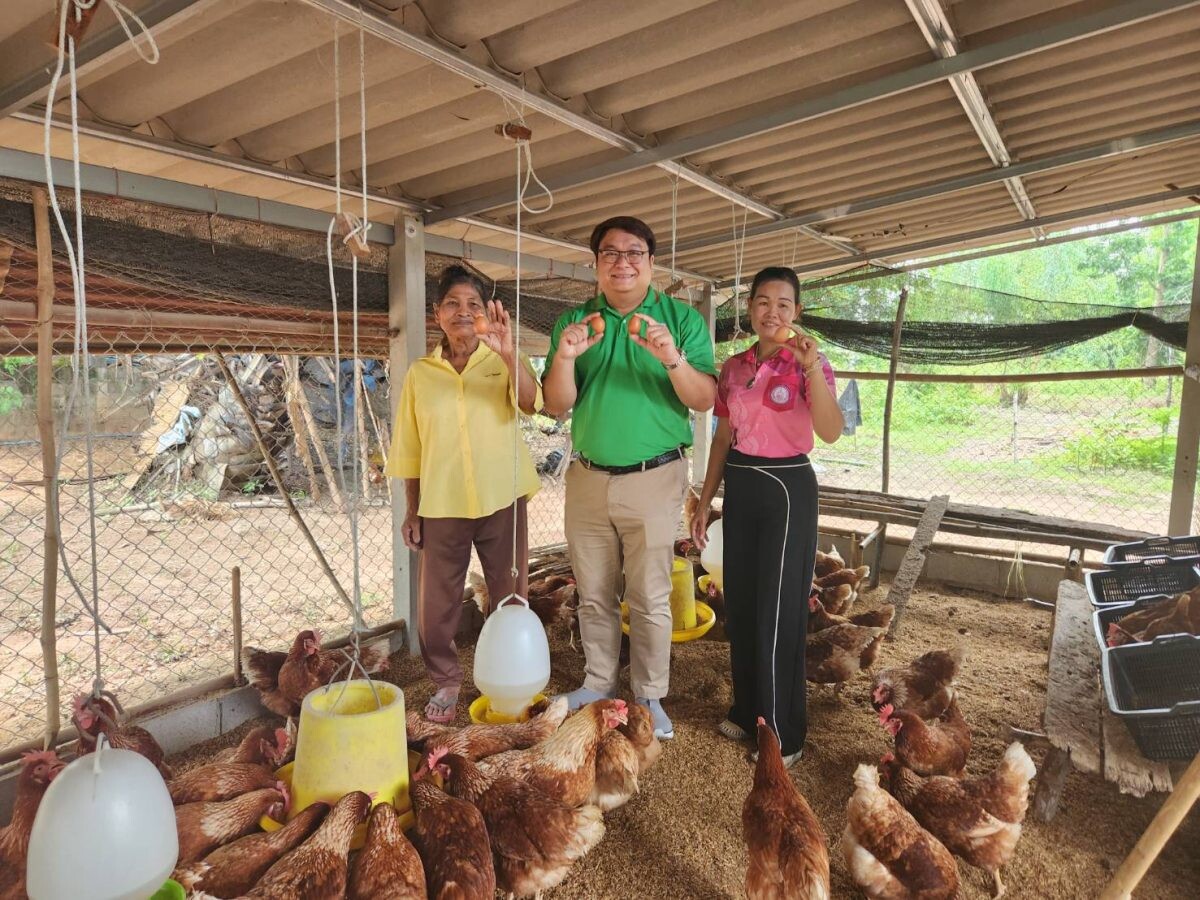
{"x":633,"y":257}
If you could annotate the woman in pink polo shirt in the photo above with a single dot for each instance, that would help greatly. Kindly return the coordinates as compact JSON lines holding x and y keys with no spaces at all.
{"x":770,"y":400}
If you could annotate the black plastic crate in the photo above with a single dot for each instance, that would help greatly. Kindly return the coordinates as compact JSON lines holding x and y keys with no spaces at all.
{"x":1175,"y":547}
{"x":1113,"y":611}
{"x":1155,"y":689}
{"x":1129,"y":581}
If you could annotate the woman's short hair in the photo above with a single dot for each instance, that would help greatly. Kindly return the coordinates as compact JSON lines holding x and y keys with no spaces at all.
{"x":776,"y":273}
{"x":636,"y":227}
{"x":454,"y":275}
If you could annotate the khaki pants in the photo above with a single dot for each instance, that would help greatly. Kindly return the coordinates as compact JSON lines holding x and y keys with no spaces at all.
{"x":625,"y":525}
{"x":445,"y":556}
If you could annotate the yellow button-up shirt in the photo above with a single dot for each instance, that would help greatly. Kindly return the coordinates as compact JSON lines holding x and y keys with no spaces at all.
{"x":455,"y":433}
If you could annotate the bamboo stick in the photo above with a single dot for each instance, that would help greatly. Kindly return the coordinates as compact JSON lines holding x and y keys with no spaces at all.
{"x":893,"y":366}
{"x":45,"y":422}
{"x":275,"y":476}
{"x":1169,"y":815}
{"x":235,"y":604}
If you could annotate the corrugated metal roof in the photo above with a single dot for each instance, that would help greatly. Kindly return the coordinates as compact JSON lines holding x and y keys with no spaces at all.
{"x":254,"y":81}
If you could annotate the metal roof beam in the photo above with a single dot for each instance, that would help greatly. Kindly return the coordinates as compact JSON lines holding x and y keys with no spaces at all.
{"x":97,"y":50}
{"x":939,"y":33}
{"x":300,"y":179}
{"x":23,"y":166}
{"x":385,"y":30}
{"x":1002,"y":51}
{"x":1077,"y":156}
{"x":915,"y":249}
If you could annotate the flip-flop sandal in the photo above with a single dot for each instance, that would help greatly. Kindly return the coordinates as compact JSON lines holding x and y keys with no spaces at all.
{"x":440,"y":708}
{"x":733,"y":731}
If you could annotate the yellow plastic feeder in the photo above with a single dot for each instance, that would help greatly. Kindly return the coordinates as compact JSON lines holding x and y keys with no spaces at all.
{"x":482,"y":713}
{"x":683,"y":596}
{"x":347,"y":741}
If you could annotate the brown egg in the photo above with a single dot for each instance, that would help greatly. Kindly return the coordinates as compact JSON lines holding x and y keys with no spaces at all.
{"x":481,"y":324}
{"x":635,"y":326}
{"x":783,"y":334}
{"x":598,"y":325}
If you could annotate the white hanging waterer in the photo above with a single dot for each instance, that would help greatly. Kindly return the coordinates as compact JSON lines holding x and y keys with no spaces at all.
{"x":712,"y":557}
{"x":512,"y":658}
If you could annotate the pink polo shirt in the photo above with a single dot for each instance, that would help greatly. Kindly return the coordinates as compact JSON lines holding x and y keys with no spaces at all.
{"x":768,"y":405}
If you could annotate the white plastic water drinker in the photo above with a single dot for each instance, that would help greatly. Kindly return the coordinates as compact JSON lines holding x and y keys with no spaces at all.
{"x":512,"y":657}
{"x":105,"y":830}
{"x":712,"y":557}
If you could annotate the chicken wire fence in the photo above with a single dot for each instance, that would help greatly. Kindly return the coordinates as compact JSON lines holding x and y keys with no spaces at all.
{"x":182,"y":496}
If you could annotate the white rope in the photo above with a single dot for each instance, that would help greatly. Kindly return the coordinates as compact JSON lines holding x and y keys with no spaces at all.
{"x":739,"y":253}
{"x":75,"y":258}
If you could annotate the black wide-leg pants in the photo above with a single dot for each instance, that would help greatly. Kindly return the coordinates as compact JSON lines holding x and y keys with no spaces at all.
{"x":770,"y":539}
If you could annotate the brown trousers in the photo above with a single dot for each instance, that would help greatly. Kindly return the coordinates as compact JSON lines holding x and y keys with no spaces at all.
{"x":620,"y":535}
{"x":445,"y":555}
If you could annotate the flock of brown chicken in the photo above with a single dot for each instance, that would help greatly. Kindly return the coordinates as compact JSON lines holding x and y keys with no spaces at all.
{"x":514,"y":807}
{"x":910,"y":815}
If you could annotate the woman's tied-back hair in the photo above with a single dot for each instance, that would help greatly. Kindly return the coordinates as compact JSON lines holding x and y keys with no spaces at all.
{"x":636,"y":227}
{"x":454,"y":275}
{"x":776,"y":273}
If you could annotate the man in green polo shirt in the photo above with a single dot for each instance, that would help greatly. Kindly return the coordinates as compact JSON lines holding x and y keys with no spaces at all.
{"x":631,"y":363}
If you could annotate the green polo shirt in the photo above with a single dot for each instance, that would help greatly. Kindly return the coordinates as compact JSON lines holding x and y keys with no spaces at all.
{"x":627,"y":411}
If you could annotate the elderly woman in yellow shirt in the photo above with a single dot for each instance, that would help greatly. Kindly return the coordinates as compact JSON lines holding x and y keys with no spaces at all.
{"x":453,"y":443}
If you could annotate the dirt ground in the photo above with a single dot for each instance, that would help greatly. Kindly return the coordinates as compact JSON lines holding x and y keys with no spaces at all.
{"x":681,"y":836}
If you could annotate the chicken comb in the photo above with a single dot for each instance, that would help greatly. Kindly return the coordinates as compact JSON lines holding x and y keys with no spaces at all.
{"x":435,"y":756}
{"x":621,"y":706}
{"x":33,"y":757}
{"x":885,"y":713}
{"x":887,"y":758}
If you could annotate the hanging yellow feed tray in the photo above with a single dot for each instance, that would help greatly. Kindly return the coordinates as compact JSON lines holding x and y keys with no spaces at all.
{"x":705,"y":619}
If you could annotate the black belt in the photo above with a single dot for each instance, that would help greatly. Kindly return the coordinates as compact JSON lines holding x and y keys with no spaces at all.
{"x":660,"y":460}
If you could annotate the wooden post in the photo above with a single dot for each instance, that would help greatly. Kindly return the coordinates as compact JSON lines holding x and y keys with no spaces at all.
{"x":1073,"y":570}
{"x":236,"y":609}
{"x":885,"y":478}
{"x":1170,"y":814}
{"x":702,"y":424}
{"x":45,"y":421}
{"x":1183,"y":489}
{"x":299,"y":431}
{"x":278,"y":479}
{"x":406,"y":334}
{"x":914,"y":558}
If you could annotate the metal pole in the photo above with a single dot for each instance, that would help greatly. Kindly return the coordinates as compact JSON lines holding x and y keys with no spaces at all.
{"x":236,"y":610}
{"x":885,"y":477}
{"x":45,"y":421}
{"x":406,"y":332}
{"x":1183,"y":489}
{"x":702,"y":423}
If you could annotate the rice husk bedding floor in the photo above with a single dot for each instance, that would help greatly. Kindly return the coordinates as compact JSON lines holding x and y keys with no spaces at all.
{"x":682,"y":835}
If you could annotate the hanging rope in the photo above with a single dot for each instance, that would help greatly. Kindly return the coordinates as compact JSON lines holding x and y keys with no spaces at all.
{"x":674,"y":223}
{"x":355,"y":238}
{"x":739,"y":252}
{"x":148,"y":51}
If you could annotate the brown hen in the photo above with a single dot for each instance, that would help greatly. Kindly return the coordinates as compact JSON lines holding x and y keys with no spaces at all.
{"x":564,"y":765}
{"x":788,"y":854}
{"x":888,"y":854}
{"x":283,"y":680}
{"x":925,"y":686}
{"x":265,"y":745}
{"x":937,"y":747}
{"x":387,"y":867}
{"x":203,"y":827}
{"x":535,"y":840}
{"x":453,"y":843}
{"x":219,"y":781}
{"x":978,"y":819}
{"x":316,"y":870}
{"x":235,"y":868}
{"x":479,"y":741}
{"x":838,"y":653}
{"x":38,"y":769}
{"x":94,"y":716}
